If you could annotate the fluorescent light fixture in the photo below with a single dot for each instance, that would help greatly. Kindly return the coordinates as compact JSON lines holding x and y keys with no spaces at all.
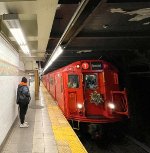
{"x":57,"y":52}
{"x":13,"y":24}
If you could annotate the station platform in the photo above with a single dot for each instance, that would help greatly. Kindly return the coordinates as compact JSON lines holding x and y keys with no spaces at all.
{"x":48,"y":131}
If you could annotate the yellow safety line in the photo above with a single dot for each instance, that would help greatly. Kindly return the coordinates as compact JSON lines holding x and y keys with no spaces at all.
{"x":67,"y":140}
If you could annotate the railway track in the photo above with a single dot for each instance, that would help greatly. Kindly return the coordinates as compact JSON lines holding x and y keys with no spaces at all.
{"x":125,"y":144}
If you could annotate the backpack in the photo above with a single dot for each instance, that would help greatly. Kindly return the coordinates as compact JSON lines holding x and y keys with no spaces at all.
{"x":21,"y":98}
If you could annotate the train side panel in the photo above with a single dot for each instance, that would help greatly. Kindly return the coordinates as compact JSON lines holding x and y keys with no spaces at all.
{"x":52,"y":85}
{"x":47,"y":82}
{"x":44,"y":80}
{"x":59,"y":89}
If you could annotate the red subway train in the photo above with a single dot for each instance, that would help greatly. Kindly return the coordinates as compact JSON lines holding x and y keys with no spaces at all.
{"x":88,"y":91}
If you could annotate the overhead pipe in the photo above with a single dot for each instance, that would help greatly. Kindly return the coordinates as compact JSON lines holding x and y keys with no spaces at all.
{"x":83,"y":11}
{"x":76,"y":22}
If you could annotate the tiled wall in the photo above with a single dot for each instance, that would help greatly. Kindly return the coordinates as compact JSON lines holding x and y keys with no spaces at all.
{"x":11,"y":70}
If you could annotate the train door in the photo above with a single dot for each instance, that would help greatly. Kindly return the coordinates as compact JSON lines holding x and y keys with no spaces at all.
{"x":73,"y":85}
{"x":92,"y":96}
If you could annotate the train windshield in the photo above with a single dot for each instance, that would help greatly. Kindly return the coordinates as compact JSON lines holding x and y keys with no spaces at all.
{"x":73,"y":81}
{"x":90,"y":81}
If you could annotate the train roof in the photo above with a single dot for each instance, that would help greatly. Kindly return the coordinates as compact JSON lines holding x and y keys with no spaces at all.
{"x":82,"y":61}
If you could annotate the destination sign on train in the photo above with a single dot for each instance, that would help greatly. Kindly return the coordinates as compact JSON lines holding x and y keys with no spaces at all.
{"x":96,"y":65}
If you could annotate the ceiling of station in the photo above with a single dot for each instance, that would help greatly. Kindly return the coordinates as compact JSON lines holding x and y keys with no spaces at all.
{"x":36,"y":19}
{"x":114,"y":30}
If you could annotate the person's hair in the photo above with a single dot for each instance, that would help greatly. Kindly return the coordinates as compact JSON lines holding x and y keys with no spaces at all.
{"x":24,"y":80}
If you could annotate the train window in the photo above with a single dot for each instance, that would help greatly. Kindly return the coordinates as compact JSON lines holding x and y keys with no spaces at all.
{"x":51,"y":81}
{"x":73,"y":81}
{"x":90,"y":81}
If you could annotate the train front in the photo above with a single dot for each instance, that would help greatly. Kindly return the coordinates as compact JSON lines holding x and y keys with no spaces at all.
{"x":94,"y":94}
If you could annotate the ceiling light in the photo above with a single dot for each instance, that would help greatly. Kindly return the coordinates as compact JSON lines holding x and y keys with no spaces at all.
{"x":84,"y":51}
{"x":56,"y":53}
{"x":13,"y":24}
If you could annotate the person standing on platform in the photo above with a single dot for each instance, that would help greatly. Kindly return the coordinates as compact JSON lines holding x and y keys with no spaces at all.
{"x":23,"y":99}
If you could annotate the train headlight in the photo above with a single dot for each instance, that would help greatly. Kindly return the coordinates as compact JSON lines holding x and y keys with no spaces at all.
{"x":111,"y":105}
{"x":79,"y":106}
{"x":78,"y":66}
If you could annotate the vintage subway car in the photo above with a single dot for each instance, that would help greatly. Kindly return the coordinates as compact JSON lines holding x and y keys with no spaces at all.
{"x":88,"y":91}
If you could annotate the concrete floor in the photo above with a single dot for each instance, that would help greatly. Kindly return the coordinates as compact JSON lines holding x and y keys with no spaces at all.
{"x":38,"y":137}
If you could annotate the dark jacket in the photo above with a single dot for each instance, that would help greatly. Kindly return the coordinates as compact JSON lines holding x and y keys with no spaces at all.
{"x":23,"y":88}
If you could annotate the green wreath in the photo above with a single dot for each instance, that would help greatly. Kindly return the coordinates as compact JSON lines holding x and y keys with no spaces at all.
{"x":96,"y":98}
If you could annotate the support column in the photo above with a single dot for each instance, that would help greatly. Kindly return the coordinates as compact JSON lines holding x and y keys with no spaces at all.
{"x":36,"y":78}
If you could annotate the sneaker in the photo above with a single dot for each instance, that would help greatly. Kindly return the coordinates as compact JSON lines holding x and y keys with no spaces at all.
{"x":24,"y":125}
